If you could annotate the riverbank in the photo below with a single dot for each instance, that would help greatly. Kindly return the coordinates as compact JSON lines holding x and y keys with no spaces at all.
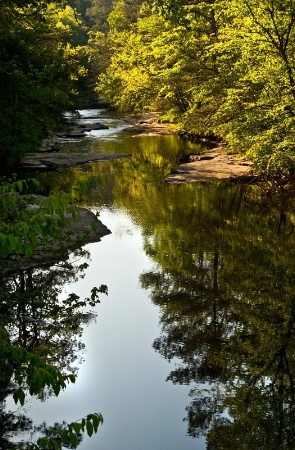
{"x":84,"y":228}
{"x":54,"y":160}
{"x":213,"y":165}
{"x":147,"y":124}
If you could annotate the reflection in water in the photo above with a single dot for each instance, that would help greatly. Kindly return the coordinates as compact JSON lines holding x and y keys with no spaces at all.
{"x":227,"y":304}
{"x":34,"y":317}
{"x":223,"y":279}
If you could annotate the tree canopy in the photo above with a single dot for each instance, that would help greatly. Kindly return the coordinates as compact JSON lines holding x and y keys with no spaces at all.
{"x":221,"y":67}
{"x":41,"y":63}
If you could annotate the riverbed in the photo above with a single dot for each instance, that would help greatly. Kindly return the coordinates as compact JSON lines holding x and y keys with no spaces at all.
{"x":195,"y":340}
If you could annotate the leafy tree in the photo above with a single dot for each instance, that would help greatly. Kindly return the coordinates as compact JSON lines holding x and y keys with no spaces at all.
{"x":139,"y":74}
{"x":39,"y":69}
{"x":221,"y":68}
{"x":250,"y":98}
{"x":249,"y":95}
{"x":97,"y":15}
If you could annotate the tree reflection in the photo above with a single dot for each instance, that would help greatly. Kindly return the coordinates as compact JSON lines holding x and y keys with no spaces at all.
{"x":11,"y":423}
{"x":35,"y":318}
{"x":223,"y":279}
{"x":227,"y":313}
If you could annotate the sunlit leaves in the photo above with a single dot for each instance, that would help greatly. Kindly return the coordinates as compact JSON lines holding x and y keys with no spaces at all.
{"x":255,"y":111}
{"x":147,"y":69}
{"x":222,"y":68}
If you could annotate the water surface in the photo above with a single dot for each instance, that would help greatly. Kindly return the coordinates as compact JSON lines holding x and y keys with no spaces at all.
{"x":195,"y":340}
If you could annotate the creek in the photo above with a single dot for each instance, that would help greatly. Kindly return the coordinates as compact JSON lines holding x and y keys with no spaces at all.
{"x":194,"y":346}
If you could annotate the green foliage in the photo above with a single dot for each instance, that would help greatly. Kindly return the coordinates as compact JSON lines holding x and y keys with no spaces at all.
{"x":223,"y":68}
{"x":40,"y":65}
{"x":30,"y":370}
{"x":69,"y":435}
{"x":257,"y":110}
{"x":138,"y":76}
{"x":172,"y":10}
{"x":37,"y":329}
{"x":27,"y":222}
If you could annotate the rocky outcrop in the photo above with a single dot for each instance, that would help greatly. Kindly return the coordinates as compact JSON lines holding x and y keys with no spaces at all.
{"x":73,"y":133}
{"x":53,"y":160}
{"x":147,"y":125}
{"x":214,"y":164}
{"x":85,"y":229}
{"x":78,"y":131}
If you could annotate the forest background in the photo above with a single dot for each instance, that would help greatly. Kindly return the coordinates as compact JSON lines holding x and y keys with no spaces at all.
{"x":221,"y":68}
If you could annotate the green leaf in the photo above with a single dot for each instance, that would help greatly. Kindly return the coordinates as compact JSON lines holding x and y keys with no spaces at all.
{"x":19,"y":184}
{"x":72,"y":378}
{"x":56,"y":445}
{"x":76,"y":427}
{"x":19,"y":396}
{"x":89,"y":428}
{"x":56,"y":389}
{"x":28,"y":252}
{"x":64,"y":436}
{"x":73,"y":440}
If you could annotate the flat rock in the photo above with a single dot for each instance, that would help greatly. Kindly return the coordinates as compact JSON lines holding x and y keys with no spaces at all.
{"x":214,"y":164}
{"x":149,"y":129}
{"x":53,"y":160}
{"x":147,"y":125}
{"x":87,"y":228}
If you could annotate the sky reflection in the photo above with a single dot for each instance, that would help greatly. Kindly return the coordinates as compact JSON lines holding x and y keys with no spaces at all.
{"x":122,"y":376}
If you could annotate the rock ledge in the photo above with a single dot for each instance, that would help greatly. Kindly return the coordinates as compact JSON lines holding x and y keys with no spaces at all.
{"x":214,"y":164}
{"x":47,"y":161}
